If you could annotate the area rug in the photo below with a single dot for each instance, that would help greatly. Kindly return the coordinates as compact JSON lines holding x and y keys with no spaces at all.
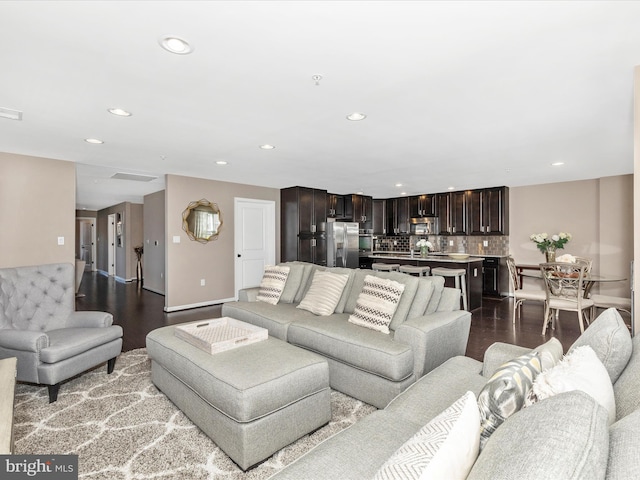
{"x":122,"y":428}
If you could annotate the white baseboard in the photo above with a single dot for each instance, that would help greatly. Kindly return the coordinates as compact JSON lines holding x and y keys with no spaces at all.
{"x":154,"y":290}
{"x":198,"y":305}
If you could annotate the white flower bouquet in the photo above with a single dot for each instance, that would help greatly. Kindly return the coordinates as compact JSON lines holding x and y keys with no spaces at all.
{"x":545,"y":243}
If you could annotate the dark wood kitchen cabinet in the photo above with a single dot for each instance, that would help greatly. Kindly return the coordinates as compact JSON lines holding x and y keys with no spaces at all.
{"x":489,"y":211}
{"x":422,"y":205}
{"x":397,"y":212}
{"x":379,"y":217}
{"x":452,"y":212}
{"x":312,"y":249}
{"x":359,"y":208}
{"x":335,"y":206}
{"x":303,"y":217}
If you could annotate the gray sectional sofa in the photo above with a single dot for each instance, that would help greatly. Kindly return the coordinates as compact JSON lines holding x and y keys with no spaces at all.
{"x":427,"y":329}
{"x":567,"y":436}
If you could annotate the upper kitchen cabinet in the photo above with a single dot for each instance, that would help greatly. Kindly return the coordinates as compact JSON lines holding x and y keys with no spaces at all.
{"x":422,"y":206}
{"x":379,"y":217}
{"x":335,"y":206}
{"x":359,"y":208}
{"x":397,"y":213}
{"x":452,"y":213}
{"x":489,"y":211}
{"x":303,"y":213}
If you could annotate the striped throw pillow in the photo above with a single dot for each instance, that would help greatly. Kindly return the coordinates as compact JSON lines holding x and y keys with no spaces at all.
{"x":446,"y":447}
{"x":505,"y":392}
{"x":377,"y":303}
{"x":272,"y":284}
{"x":324,"y":293}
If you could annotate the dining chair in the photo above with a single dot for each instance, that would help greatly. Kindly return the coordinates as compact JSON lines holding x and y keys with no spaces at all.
{"x":520,"y":295}
{"x":564,"y":288}
{"x":587,"y":262}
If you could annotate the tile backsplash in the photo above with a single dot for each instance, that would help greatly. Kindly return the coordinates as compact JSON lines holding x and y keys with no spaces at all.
{"x":474,"y":245}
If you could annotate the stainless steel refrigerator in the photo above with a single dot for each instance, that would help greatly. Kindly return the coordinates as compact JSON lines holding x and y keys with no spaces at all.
{"x":342,"y":244}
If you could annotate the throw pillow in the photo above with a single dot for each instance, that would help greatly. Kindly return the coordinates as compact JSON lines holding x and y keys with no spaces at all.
{"x":296,"y":271}
{"x":550,"y":353}
{"x":272,"y":284}
{"x":610,"y":339}
{"x":580,"y":370}
{"x":505,"y":392}
{"x":446,"y":447}
{"x":324,"y":293}
{"x":377,"y":303}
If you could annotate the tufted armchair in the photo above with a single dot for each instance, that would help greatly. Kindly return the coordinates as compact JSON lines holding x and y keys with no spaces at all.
{"x":39,"y":326}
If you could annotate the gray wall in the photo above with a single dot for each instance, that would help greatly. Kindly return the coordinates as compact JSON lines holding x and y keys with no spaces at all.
{"x":154,"y":242}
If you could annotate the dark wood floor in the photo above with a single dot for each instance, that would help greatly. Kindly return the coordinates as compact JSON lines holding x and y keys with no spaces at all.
{"x":139,"y":311}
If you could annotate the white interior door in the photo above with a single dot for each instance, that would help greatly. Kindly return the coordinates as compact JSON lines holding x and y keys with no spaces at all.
{"x":111,"y":244}
{"x":255,"y":240}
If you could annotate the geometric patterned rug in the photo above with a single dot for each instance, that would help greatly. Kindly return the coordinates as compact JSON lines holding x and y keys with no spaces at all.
{"x":123,"y":428}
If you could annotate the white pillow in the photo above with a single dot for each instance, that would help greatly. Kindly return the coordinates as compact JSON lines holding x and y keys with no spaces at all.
{"x":580,"y":370}
{"x":272,"y":284}
{"x":377,"y":303}
{"x":445,"y":448}
{"x":324,"y":293}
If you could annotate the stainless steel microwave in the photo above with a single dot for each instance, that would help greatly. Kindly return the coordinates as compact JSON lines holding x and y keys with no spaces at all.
{"x":427,"y":226}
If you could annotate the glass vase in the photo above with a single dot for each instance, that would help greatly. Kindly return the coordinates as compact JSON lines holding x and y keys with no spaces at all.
{"x":550,"y":254}
{"x":424,"y":252}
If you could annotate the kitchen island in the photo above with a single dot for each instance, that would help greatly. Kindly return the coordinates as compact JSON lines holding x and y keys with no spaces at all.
{"x":472,"y":265}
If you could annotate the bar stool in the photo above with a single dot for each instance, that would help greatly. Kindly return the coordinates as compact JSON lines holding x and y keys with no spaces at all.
{"x":460,"y":275}
{"x":411,"y":270}
{"x":385,"y":267}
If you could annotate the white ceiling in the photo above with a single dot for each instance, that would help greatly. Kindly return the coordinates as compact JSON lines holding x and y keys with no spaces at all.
{"x":457,"y":94}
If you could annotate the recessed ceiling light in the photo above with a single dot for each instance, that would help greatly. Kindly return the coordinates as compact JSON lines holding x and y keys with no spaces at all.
{"x":451,"y":188}
{"x":403,"y":193}
{"x":356,"y":116}
{"x":398,"y":184}
{"x":266,"y":146}
{"x":557,"y":164}
{"x":119,"y":112}
{"x":174,"y":44}
{"x":221,"y":162}
{"x":360,"y":192}
{"x":95,"y":141}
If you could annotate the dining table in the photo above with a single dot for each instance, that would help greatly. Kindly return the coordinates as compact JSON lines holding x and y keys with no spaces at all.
{"x":590,"y":278}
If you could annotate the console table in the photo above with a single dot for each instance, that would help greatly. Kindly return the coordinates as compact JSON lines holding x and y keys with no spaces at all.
{"x":8,"y":369}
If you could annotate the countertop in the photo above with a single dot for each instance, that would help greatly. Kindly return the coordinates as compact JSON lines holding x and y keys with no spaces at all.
{"x":435,"y":256}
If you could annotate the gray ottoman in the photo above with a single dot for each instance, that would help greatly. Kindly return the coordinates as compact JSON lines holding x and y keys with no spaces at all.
{"x":251,"y":401}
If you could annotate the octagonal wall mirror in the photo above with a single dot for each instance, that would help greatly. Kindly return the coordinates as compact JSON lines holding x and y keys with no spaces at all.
{"x":202,"y":221}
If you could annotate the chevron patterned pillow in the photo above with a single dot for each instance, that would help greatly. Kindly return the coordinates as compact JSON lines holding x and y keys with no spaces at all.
{"x":505,"y":392}
{"x":377,"y":303}
{"x":446,"y":447}
{"x":272,"y":284}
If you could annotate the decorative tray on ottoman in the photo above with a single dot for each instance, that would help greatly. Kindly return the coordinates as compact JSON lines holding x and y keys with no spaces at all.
{"x":220,"y":334}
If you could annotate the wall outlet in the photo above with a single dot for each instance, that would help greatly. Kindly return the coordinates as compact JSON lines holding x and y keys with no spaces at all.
{"x":202,"y":282}
{"x":395,"y":242}
{"x":451,"y":243}
{"x":176,"y":239}
{"x":475,"y":272}
{"x":485,"y":243}
{"x":60,"y":240}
